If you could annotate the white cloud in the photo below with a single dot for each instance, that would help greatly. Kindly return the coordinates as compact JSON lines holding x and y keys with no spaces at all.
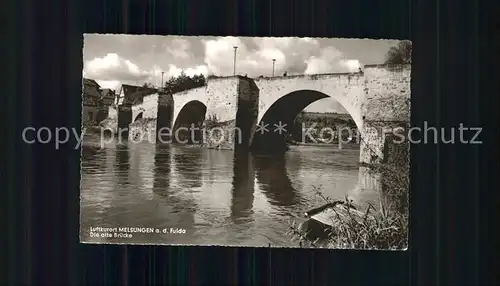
{"x":254,"y":58}
{"x":174,"y":71}
{"x":112,"y":70}
{"x":330,"y":60}
{"x":112,"y":84}
{"x":179,"y":48}
{"x":112,"y":67}
{"x":219,"y":54}
{"x":288,"y":52}
{"x":295,"y":55}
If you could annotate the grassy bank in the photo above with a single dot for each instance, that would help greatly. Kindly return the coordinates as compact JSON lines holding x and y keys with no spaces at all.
{"x":382,"y":226}
{"x":359,"y":227}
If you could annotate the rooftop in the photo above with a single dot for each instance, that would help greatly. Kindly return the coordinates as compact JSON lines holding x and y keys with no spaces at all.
{"x":91,"y":88}
{"x":88,"y":81}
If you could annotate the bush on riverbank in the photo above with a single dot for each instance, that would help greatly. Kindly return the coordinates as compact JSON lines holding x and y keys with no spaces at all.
{"x":389,"y":227}
{"x":368,"y":228}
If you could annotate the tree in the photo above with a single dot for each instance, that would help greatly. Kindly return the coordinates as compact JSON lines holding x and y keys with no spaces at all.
{"x":184,"y":82}
{"x":148,"y":85}
{"x":399,"y":54}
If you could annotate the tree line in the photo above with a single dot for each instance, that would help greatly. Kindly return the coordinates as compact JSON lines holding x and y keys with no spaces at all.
{"x":399,"y":54}
{"x":319,"y":122}
{"x":181,"y":83}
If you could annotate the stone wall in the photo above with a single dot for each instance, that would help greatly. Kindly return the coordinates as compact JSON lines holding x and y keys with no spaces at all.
{"x":377,"y":146}
{"x":148,"y":107}
{"x":384,"y":89}
{"x":386,"y":111}
{"x":232,"y":110}
{"x":396,"y":174}
{"x":220,"y":135}
{"x":386,"y":106}
{"x":222,"y":98}
{"x":143,"y":130}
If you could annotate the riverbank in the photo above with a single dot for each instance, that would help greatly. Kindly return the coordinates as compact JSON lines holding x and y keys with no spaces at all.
{"x":369,"y":226}
{"x":348,"y":145}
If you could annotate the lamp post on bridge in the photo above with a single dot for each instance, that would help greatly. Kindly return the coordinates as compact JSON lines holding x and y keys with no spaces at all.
{"x":274,"y":60}
{"x":234,"y":60}
{"x":162,"y":80}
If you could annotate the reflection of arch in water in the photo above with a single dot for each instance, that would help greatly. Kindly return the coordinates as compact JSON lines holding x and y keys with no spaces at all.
{"x":284,"y":111}
{"x":243,"y":187}
{"x":178,"y":207}
{"x":274,"y":181}
{"x":162,"y":169}
{"x":188,"y":166}
{"x":191,"y":115}
{"x":122,"y":164}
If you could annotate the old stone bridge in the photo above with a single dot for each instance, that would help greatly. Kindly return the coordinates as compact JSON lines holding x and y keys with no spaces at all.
{"x":377,"y":98}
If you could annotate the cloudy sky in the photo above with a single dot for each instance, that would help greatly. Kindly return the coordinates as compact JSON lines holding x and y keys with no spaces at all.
{"x":113,"y":60}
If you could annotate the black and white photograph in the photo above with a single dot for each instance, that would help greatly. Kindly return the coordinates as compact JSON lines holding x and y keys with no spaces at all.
{"x":245,"y":141}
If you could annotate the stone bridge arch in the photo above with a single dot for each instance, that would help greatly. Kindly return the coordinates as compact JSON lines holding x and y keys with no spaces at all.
{"x":189,"y":107}
{"x":181,"y":99}
{"x":347,"y":89}
{"x":284,"y":111}
{"x":138,"y":116}
{"x":188,"y":122}
{"x":378,"y":100}
{"x":284,"y":98}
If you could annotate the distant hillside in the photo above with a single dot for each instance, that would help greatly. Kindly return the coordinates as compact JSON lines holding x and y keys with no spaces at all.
{"x":318,"y":115}
{"x":319,"y":121}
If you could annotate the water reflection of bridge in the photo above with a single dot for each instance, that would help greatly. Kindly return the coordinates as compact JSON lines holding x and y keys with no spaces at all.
{"x":179,"y":210}
{"x":181,"y":170}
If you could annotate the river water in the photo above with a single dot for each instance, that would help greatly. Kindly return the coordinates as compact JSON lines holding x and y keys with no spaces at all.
{"x":216,"y":197}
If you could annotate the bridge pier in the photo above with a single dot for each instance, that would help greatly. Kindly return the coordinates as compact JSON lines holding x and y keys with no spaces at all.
{"x":384,"y":158}
{"x":124,"y":119}
{"x":231,"y":116}
{"x":164,"y":119}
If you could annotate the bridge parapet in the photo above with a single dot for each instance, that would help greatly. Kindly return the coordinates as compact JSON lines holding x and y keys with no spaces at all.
{"x":310,"y":76}
{"x":190,"y":91}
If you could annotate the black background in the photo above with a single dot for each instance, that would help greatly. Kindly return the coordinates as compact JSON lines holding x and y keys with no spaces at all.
{"x":454,"y":58}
